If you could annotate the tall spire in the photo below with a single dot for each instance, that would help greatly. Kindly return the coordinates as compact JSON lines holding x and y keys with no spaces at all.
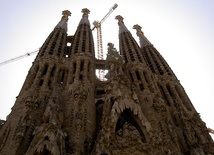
{"x":129,"y":48}
{"x":143,"y":40}
{"x":154,"y":60}
{"x":84,"y":19}
{"x":63,"y":22}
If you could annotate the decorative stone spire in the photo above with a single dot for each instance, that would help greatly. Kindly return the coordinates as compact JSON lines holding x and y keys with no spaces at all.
{"x":84,"y":19}
{"x":63,"y":23}
{"x":122,"y":27}
{"x":113,"y":56}
{"x":143,"y":40}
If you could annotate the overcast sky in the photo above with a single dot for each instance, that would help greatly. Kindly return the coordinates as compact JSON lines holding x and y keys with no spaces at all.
{"x":181,"y":30}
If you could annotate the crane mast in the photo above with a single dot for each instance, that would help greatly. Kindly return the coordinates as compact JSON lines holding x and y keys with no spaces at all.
{"x":97,"y":25}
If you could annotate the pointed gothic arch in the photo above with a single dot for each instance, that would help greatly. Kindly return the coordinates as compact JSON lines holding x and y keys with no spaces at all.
{"x":45,"y":151}
{"x":127,"y":116}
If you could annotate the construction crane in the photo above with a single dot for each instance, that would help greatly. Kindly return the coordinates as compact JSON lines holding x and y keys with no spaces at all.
{"x":97,"y":25}
{"x":210,"y":130}
{"x":19,"y":57}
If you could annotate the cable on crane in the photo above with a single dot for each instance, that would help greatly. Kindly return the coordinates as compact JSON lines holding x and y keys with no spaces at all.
{"x":19,"y":57}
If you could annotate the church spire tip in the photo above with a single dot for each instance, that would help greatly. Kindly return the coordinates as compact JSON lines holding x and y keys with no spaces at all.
{"x":85,"y":12}
{"x":122,"y":27}
{"x":120,"y":20}
{"x":143,"y":40}
{"x":138,"y":29}
{"x":63,"y":23}
{"x":84,"y":19}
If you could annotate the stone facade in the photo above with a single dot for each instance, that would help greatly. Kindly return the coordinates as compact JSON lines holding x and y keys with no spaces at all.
{"x":64,"y":109}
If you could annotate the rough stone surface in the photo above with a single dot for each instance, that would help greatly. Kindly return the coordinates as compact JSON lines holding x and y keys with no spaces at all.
{"x":64,"y":109}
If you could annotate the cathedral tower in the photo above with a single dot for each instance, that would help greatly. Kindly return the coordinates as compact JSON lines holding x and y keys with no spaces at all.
{"x":64,"y":109}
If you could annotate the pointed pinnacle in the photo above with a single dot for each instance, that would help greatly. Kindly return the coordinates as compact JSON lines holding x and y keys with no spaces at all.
{"x":65,"y":14}
{"x":85,"y":12}
{"x":138,"y":29}
{"x":120,"y":19}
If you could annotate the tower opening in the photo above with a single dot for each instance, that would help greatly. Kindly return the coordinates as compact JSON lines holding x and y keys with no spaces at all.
{"x":45,"y":69}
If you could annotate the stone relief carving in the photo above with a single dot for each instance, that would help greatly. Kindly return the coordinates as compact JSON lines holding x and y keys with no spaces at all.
{"x":119,"y":97}
{"x":49,"y":136}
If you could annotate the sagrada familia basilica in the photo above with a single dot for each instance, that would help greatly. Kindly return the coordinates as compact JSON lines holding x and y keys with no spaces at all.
{"x":63,"y":108}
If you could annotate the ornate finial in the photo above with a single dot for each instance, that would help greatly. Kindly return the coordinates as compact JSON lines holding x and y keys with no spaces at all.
{"x":120,"y":19}
{"x":143,"y":40}
{"x":85,"y":12}
{"x":63,"y":23}
{"x":113,"y":55}
{"x":138,"y":29}
{"x":65,"y":14}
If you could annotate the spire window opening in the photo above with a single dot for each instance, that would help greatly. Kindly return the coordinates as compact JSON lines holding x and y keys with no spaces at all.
{"x":139,"y":57}
{"x":149,"y":62}
{"x":83,"y":48}
{"x":67,"y":52}
{"x":146,"y":76}
{"x":163,"y":94}
{"x":141,"y":86}
{"x":159,"y":68}
{"x":137,"y":75}
{"x":49,"y":83}
{"x":81,"y":65}
{"x":62,"y":78}
{"x":81,"y":77}
{"x":51,"y":52}
{"x":74,"y":67}
{"x":89,"y":71}
{"x":41,"y":82}
{"x":100,"y":92}
{"x":125,"y":58}
{"x":89,"y":67}
{"x":132,"y":58}
{"x":59,"y":50}
{"x":132,"y":79}
{"x":53,"y":70}
{"x":169,"y":90}
{"x":76,"y":48}
{"x":45,"y":69}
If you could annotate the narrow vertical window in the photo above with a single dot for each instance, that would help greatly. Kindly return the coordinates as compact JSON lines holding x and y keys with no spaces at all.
{"x":81,"y":65}
{"x":53,"y":70}
{"x":131,"y":77}
{"x":141,"y":87}
{"x":45,"y":69}
{"x":169,"y":90}
{"x":137,"y":75}
{"x":163,"y":94}
{"x":145,"y":76}
{"x":74,"y":67}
